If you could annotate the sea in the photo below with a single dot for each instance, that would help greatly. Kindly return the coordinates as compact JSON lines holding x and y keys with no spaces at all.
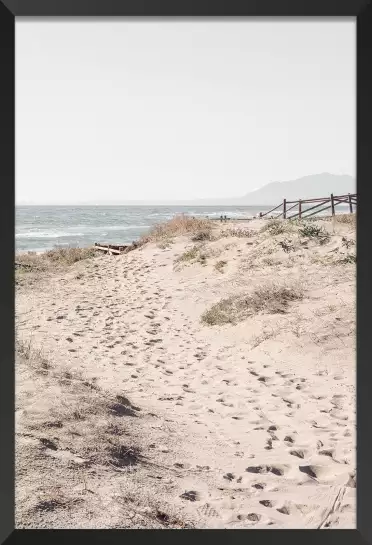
{"x":41,"y":228}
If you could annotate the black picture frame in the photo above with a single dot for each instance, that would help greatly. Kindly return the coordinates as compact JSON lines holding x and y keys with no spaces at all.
{"x":9,"y":10}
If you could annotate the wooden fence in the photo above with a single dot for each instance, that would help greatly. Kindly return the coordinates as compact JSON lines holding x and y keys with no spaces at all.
{"x":298,"y":210}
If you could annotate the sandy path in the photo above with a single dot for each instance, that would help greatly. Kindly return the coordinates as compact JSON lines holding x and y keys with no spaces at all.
{"x":270,"y":429}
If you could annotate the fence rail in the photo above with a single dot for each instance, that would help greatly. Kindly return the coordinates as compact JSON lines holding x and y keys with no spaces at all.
{"x":330,"y":202}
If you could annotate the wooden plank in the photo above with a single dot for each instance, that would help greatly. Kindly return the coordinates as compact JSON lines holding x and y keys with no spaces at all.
{"x":350,"y":205}
{"x":308,"y":209}
{"x":332,"y":205}
{"x":291,"y":207}
{"x":107,"y":249}
{"x":340,"y":200}
{"x":317,"y":211}
{"x":114,"y":246}
{"x":333,"y":200}
{"x":287,"y":210}
{"x":272,"y":210}
{"x":325,"y":199}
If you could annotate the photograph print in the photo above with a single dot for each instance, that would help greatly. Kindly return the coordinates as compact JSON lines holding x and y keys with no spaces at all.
{"x":185,"y":273}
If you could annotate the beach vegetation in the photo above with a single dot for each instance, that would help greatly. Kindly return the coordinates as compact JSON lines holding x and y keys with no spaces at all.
{"x":276,"y":227}
{"x":189,"y":255}
{"x":219,"y":266}
{"x":314,"y":232}
{"x":348,"y":242}
{"x":165,"y":243}
{"x":349,"y":219}
{"x":349,"y":258}
{"x":202,"y":235}
{"x":267,"y":298}
{"x":32,"y":261}
{"x":287,"y":245}
{"x":180,"y":225}
{"x":239,"y":233}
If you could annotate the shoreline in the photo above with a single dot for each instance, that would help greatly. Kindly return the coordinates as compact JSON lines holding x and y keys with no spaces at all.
{"x":122,"y":237}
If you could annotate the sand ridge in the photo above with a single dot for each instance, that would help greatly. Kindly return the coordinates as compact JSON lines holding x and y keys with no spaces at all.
{"x":258,"y":417}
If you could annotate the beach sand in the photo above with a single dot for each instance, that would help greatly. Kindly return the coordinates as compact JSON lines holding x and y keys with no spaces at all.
{"x":142,"y":415}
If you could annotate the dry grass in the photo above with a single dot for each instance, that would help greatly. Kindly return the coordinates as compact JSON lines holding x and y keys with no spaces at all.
{"x":59,"y":257}
{"x":271,"y":261}
{"x":287,"y":245}
{"x":178,"y":226}
{"x":219,"y":266}
{"x":239,"y":233}
{"x":202,"y":235}
{"x":267,"y":334}
{"x":348,"y":242}
{"x":277,"y":227}
{"x":77,"y":446}
{"x":345,"y":218}
{"x":314,"y":232}
{"x":196,"y":254}
{"x":78,"y":416}
{"x":347,"y":259}
{"x":166,"y":243}
{"x":33,"y":357}
{"x":189,"y":255}
{"x":334,"y":259}
{"x":269,"y":299}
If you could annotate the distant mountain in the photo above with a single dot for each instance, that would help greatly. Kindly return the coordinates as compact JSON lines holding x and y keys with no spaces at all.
{"x":307,"y":187}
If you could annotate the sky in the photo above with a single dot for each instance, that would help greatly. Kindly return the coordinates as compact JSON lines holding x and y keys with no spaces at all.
{"x":120,"y":110}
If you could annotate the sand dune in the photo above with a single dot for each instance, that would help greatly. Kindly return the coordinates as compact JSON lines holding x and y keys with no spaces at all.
{"x":243,"y":424}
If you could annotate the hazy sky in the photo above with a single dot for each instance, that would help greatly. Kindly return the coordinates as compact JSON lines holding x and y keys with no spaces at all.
{"x":112,"y":110}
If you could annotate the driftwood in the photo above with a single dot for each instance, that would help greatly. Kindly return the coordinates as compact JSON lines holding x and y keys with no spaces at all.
{"x":107,"y":249}
{"x":115,"y":249}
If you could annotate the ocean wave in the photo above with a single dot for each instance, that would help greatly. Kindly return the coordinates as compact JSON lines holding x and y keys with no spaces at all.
{"x":219,"y":213}
{"x":47,"y":234}
{"x":95,"y":228}
{"x":123,"y":227}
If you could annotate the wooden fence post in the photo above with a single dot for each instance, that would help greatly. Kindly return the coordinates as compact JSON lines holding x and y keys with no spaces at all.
{"x":284,"y":209}
{"x":299,"y":209}
{"x":332,"y":205}
{"x":350,"y":204}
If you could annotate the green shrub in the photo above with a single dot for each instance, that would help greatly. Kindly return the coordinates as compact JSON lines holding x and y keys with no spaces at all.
{"x":316,"y":232}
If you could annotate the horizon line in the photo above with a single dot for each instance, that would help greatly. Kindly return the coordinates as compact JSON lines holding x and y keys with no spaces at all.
{"x":186,"y":202}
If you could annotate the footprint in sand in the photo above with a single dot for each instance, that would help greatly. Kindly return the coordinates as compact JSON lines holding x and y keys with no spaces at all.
{"x":208,"y":510}
{"x":299,"y":453}
{"x":266,"y":503}
{"x":259,"y":486}
{"x":190,"y":495}
{"x":278,"y":469}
